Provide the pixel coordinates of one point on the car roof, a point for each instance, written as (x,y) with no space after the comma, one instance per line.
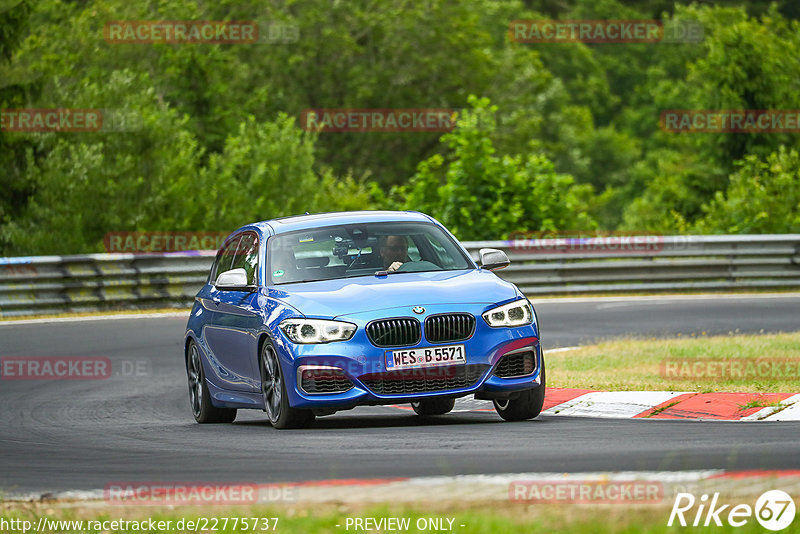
(319,220)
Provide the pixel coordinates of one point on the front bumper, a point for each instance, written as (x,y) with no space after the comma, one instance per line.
(364,366)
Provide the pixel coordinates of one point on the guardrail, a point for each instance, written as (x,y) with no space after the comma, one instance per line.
(91,282)
(651,263)
(54,284)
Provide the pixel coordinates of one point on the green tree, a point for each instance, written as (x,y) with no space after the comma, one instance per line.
(481,195)
(15,89)
(265,171)
(743,63)
(763,197)
(88,184)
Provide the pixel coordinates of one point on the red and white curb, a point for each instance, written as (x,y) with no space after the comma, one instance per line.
(657,405)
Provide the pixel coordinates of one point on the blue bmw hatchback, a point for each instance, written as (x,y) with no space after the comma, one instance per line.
(307,315)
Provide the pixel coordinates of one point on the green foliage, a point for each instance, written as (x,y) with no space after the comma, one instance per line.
(481,195)
(670,180)
(265,171)
(574,141)
(88,184)
(741,64)
(763,197)
(746,67)
(15,184)
(152,177)
(14,15)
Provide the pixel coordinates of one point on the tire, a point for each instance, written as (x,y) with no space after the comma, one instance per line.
(433,406)
(199,396)
(527,406)
(273,390)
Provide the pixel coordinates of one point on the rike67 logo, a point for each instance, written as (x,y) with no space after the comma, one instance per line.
(774,510)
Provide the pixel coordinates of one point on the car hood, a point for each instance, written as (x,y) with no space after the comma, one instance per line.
(333,298)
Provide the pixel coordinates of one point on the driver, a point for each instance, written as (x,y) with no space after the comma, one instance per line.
(394,251)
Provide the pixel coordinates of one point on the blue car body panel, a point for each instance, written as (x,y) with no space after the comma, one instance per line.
(228,326)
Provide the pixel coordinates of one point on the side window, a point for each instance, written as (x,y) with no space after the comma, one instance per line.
(246,257)
(224,258)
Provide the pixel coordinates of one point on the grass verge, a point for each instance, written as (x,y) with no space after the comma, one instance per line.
(767,363)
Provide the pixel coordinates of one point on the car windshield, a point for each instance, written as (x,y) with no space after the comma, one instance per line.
(362,250)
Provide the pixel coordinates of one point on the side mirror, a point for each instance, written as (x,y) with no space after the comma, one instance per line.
(233,280)
(493,259)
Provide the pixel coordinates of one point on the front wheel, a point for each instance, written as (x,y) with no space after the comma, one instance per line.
(527,406)
(433,406)
(273,389)
(200,398)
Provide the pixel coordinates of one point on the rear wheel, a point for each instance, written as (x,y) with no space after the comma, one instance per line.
(273,388)
(433,406)
(199,396)
(526,406)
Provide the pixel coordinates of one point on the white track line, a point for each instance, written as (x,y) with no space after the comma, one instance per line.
(560,349)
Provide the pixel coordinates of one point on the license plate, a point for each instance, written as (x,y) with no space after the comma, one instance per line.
(425,357)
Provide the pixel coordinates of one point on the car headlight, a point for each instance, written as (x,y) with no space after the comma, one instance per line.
(517,313)
(306,331)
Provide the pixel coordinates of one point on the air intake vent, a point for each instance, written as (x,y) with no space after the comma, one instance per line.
(517,364)
(449,327)
(424,380)
(400,332)
(320,380)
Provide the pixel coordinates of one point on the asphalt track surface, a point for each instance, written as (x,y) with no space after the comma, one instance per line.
(137,426)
